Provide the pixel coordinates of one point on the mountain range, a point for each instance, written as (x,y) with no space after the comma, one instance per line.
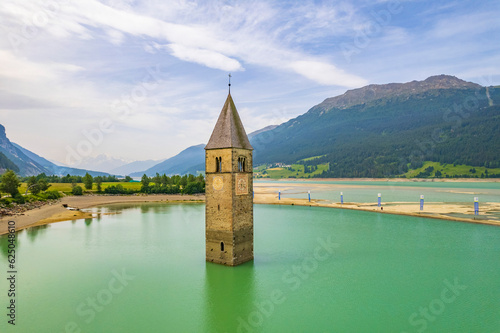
(382,130)
(101,162)
(190,160)
(136,166)
(374,131)
(27,163)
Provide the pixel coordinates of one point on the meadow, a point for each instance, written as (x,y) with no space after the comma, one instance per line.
(66,187)
(427,170)
(293,171)
(451,170)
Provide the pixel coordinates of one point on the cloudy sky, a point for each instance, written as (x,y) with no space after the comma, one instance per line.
(146,79)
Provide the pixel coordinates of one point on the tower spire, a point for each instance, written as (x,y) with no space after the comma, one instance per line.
(228,131)
(229,82)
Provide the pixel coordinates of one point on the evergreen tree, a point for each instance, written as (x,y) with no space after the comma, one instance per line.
(157,179)
(145,183)
(183,181)
(87,181)
(98,182)
(164,180)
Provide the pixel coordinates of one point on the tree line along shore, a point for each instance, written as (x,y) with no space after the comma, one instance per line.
(29,194)
(19,194)
(20,189)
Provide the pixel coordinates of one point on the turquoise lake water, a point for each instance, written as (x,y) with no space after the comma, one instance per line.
(364,191)
(315,270)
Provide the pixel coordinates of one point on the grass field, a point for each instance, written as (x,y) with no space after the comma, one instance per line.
(294,171)
(310,158)
(450,170)
(66,187)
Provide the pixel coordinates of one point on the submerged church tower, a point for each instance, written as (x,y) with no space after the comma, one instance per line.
(229,191)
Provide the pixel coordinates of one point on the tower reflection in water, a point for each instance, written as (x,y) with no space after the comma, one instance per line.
(229,297)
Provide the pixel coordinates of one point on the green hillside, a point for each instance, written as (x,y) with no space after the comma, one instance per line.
(5,163)
(389,136)
(292,171)
(438,170)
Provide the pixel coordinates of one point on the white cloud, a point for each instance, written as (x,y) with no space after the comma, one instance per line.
(470,24)
(45,82)
(326,74)
(207,58)
(22,69)
(224,39)
(115,37)
(52,99)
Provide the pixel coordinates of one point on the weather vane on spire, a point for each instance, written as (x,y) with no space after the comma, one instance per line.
(229,82)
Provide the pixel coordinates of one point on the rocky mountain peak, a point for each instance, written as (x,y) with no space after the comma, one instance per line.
(3,136)
(376,91)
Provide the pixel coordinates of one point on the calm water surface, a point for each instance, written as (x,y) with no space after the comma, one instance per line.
(315,270)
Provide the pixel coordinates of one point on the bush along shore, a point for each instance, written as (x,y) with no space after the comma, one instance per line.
(19,205)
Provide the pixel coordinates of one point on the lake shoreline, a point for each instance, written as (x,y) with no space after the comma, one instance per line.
(56,212)
(435,210)
(397,180)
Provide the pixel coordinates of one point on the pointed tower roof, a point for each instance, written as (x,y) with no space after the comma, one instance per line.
(229,131)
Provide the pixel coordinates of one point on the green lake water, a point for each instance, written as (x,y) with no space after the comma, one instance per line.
(315,270)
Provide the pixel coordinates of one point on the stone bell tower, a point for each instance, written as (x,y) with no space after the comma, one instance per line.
(229,191)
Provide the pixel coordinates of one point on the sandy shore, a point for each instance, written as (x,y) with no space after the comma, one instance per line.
(265,193)
(56,212)
(401,180)
(436,210)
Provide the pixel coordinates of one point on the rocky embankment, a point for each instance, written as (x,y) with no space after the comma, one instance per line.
(20,209)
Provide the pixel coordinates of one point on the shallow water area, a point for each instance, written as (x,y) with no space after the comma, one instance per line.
(391,191)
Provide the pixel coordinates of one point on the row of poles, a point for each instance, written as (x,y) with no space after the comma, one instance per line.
(308,195)
(379,200)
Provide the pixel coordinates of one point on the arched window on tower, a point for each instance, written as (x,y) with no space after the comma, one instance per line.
(241,164)
(222,246)
(218,164)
